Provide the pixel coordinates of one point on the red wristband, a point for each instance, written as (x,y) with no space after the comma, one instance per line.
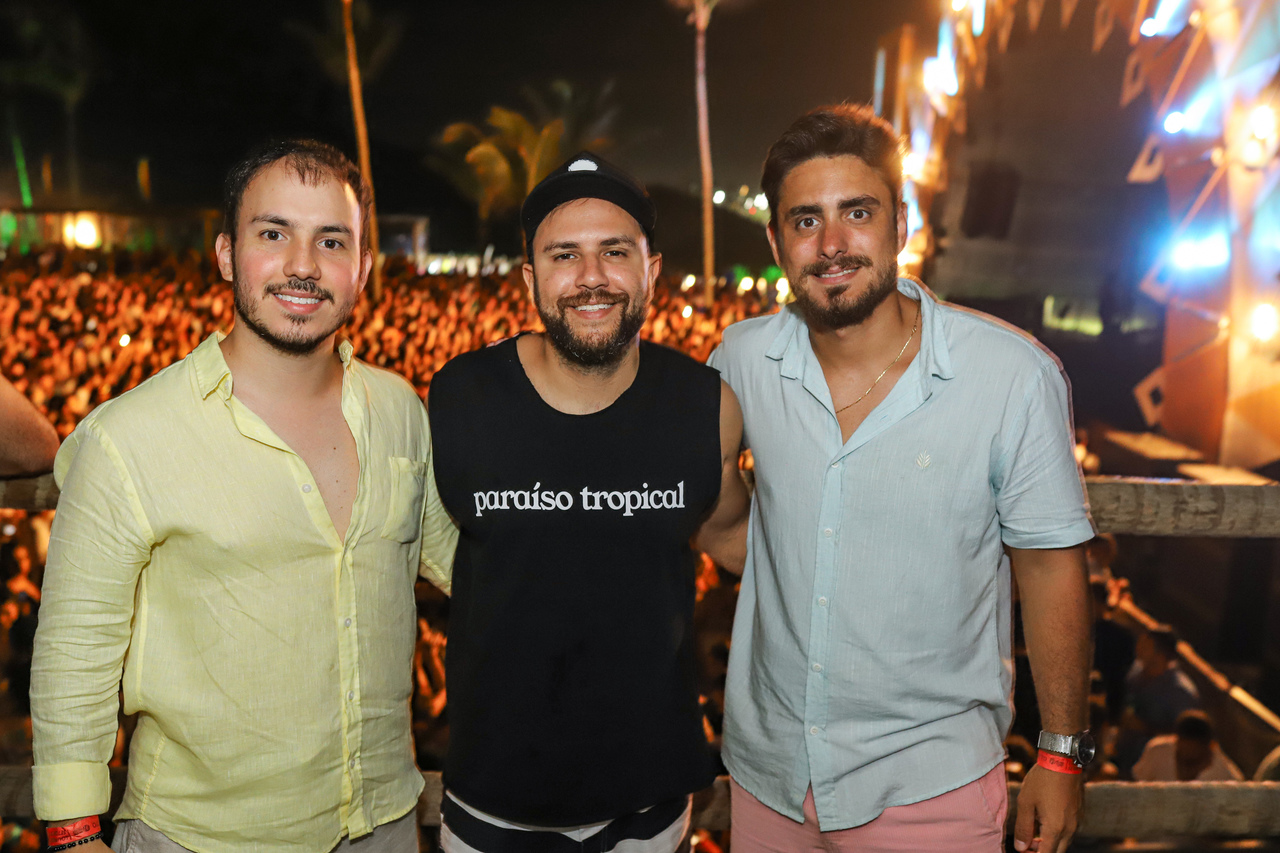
(1057,763)
(73,832)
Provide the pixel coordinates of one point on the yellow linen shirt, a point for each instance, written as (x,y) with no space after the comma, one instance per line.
(193,560)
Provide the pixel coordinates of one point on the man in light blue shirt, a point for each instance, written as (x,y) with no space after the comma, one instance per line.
(908,454)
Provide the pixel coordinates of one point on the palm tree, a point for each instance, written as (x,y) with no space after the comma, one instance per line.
(589,114)
(498,164)
(334,49)
(700,18)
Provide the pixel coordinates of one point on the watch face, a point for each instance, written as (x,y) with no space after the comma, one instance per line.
(1085,749)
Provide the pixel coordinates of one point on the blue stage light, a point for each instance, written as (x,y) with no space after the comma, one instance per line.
(1200,254)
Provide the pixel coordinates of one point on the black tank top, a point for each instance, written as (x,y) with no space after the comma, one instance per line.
(570,666)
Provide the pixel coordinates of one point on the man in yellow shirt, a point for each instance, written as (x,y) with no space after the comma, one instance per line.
(236,546)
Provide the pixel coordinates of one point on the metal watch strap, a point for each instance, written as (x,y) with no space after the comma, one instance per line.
(1061,744)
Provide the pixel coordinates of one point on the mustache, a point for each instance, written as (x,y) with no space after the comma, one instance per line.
(298,285)
(592,298)
(849,262)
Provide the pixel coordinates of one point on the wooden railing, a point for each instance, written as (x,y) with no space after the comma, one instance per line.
(34,493)
(1112,809)
(1144,507)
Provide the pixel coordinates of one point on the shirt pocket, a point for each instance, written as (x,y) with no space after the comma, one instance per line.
(404,504)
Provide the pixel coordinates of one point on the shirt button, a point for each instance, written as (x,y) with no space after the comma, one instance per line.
(306,487)
(351,763)
(822,602)
(813,730)
(828,533)
(347,622)
(817,667)
(835,464)
(351,694)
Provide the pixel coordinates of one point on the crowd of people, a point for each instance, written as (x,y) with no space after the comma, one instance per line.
(79,327)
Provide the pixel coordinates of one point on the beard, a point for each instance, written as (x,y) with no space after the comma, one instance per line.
(303,336)
(599,352)
(835,313)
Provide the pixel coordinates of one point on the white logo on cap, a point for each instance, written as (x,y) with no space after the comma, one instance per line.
(582,166)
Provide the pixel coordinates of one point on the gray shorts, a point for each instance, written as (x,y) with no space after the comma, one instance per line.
(398,836)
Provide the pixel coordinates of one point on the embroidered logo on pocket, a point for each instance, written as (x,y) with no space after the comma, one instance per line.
(923,461)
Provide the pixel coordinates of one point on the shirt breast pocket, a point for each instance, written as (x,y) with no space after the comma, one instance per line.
(404,503)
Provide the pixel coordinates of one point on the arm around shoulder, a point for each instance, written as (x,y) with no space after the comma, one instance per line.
(439,536)
(723,535)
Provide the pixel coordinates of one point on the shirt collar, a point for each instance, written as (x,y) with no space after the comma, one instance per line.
(786,344)
(935,354)
(212,373)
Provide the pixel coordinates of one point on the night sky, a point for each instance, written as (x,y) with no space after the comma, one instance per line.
(192,84)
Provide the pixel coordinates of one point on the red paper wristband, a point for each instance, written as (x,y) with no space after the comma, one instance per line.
(73,832)
(1057,763)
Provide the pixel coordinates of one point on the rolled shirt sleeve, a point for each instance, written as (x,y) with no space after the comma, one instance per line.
(1039,494)
(99,543)
(439,538)
(439,533)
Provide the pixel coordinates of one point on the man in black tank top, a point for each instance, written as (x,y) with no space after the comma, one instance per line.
(582,466)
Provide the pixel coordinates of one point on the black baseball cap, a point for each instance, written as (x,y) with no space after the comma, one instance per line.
(586,175)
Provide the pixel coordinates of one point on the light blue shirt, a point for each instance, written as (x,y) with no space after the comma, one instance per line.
(872,653)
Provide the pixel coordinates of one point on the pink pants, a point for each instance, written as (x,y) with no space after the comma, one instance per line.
(969,819)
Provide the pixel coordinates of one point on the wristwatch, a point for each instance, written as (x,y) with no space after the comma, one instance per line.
(1078,747)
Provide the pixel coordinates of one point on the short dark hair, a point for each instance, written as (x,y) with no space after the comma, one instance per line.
(833,131)
(312,161)
(1194,725)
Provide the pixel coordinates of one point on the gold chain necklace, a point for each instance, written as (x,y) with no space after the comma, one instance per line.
(914,326)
